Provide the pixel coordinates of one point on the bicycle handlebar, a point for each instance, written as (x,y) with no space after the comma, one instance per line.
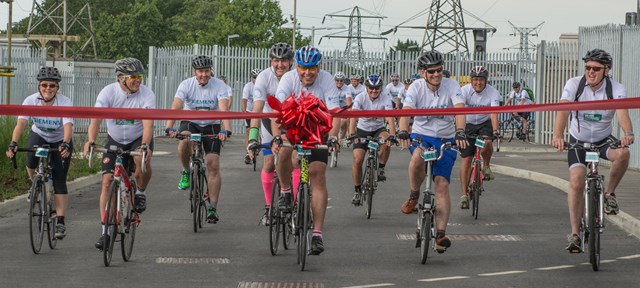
(445,145)
(118,151)
(593,147)
(210,136)
(32,150)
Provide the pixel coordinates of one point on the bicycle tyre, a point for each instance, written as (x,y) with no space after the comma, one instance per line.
(274,219)
(511,127)
(333,159)
(110,222)
(303,220)
(129,226)
(202,210)
(594,223)
(52,222)
(368,192)
(425,236)
(194,187)
(36,215)
(477,190)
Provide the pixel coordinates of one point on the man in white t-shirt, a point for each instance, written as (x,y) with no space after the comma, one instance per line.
(394,88)
(339,77)
(247,106)
(202,92)
(520,97)
(308,78)
(372,99)
(592,126)
(432,91)
(478,94)
(354,89)
(127,134)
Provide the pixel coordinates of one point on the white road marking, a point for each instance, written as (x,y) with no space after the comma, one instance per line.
(372,285)
(555,267)
(443,278)
(630,257)
(502,273)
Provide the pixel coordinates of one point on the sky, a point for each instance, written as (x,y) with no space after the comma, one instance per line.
(559,16)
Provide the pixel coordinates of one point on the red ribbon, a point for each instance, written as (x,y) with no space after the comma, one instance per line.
(306,118)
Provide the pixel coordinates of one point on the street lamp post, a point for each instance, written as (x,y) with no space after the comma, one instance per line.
(229,37)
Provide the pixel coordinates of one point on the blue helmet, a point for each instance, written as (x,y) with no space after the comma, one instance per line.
(373,81)
(308,56)
(415,76)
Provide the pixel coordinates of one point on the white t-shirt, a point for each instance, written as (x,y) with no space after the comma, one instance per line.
(363,102)
(354,91)
(247,93)
(266,85)
(207,97)
(324,88)
(519,96)
(394,91)
(51,129)
(344,90)
(595,125)
(125,131)
(489,97)
(419,96)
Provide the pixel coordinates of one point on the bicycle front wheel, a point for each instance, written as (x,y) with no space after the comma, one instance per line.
(37,214)
(304,220)
(476,189)
(111,222)
(594,226)
(52,221)
(368,191)
(274,219)
(425,235)
(129,226)
(195,195)
(204,187)
(333,159)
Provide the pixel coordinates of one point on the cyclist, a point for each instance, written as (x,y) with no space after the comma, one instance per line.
(433,91)
(523,98)
(354,89)
(344,90)
(309,77)
(393,89)
(281,55)
(478,94)
(592,126)
(128,134)
(229,92)
(54,131)
(372,99)
(247,106)
(446,74)
(202,92)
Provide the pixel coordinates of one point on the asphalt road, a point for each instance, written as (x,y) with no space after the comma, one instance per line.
(518,240)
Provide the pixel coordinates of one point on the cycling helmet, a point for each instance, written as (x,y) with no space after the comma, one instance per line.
(395,76)
(373,81)
(308,56)
(415,76)
(516,85)
(281,51)
(255,72)
(355,77)
(430,59)
(446,74)
(49,74)
(222,78)
(600,56)
(338,76)
(479,71)
(202,62)
(407,81)
(129,66)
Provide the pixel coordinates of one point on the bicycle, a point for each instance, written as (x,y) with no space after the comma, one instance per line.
(369,181)
(42,213)
(426,231)
(514,128)
(120,216)
(475,187)
(592,222)
(198,182)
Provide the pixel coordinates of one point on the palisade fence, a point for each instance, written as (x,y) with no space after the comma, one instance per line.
(545,72)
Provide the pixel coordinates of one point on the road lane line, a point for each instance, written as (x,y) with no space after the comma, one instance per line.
(630,257)
(555,267)
(372,285)
(443,278)
(502,273)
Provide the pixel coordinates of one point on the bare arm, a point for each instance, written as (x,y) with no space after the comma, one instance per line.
(627,127)
(559,127)
(92,134)
(176,105)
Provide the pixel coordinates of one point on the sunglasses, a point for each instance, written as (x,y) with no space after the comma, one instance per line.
(310,69)
(48,85)
(433,71)
(375,88)
(594,68)
(134,77)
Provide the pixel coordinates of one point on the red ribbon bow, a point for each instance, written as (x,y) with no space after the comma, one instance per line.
(306,118)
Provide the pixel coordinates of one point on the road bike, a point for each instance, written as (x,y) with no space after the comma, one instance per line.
(512,127)
(592,222)
(475,187)
(120,217)
(369,181)
(426,231)
(198,183)
(42,213)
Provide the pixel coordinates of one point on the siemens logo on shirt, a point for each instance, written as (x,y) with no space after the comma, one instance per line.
(203,102)
(438,106)
(48,122)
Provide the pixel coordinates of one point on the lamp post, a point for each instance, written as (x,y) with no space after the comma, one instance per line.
(229,37)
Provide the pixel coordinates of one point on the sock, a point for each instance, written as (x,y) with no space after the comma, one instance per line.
(381,166)
(439,234)
(139,191)
(61,220)
(103,229)
(213,205)
(285,191)
(414,194)
(267,185)
(358,188)
(317,233)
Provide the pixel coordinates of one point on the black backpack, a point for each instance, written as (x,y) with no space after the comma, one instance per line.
(608,90)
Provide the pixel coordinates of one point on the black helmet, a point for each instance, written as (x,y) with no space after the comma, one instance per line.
(600,56)
(430,59)
(129,66)
(446,74)
(480,71)
(281,51)
(202,62)
(516,85)
(49,74)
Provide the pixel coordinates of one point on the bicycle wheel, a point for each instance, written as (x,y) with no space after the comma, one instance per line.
(274,219)
(368,192)
(513,130)
(195,195)
(202,210)
(425,235)
(477,190)
(36,214)
(304,220)
(110,222)
(51,221)
(287,229)
(333,159)
(129,225)
(594,225)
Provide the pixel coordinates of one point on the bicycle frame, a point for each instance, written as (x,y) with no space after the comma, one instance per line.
(475,187)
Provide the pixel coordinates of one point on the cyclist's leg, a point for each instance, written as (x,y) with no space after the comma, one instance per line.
(416,176)
(185,147)
(442,178)
(465,175)
(619,163)
(108,166)
(60,169)
(142,179)
(284,171)
(356,168)
(385,151)
(317,177)
(266,175)
(575,197)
